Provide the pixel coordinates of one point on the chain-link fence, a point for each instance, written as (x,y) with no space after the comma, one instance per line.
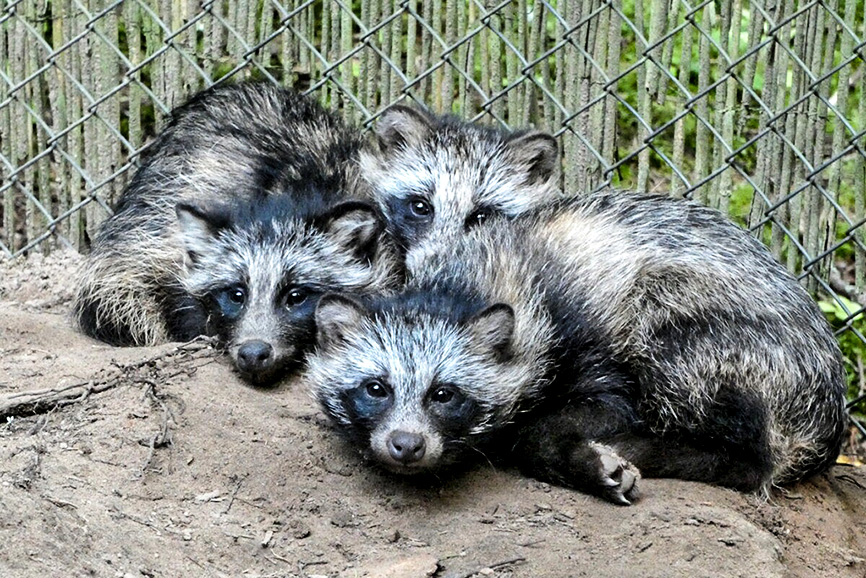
(754,107)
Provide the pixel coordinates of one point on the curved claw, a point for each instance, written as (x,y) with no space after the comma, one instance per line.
(618,477)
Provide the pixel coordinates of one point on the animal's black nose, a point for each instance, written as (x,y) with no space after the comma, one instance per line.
(406,447)
(255,356)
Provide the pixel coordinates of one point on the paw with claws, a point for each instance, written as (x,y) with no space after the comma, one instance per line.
(617,478)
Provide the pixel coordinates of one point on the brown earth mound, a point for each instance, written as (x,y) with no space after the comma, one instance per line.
(161,462)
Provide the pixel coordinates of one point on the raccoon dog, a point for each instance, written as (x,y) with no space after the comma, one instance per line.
(436,177)
(163,267)
(588,342)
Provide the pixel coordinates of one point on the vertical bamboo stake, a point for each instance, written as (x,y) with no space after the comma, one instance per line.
(702,133)
(425,56)
(132,18)
(684,76)
(572,12)
(74,104)
(57,100)
(781,158)
(860,199)
(610,111)
(373,66)
(41,103)
(463,56)
(20,129)
(446,87)
(347,76)
(412,69)
(396,54)
(725,180)
(812,151)
(8,237)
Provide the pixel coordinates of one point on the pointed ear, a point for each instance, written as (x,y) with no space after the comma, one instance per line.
(337,317)
(401,126)
(355,225)
(198,226)
(493,329)
(537,153)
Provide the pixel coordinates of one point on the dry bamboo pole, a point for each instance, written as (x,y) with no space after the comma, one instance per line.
(302,26)
(751,65)
(435,50)
(585,81)
(40,171)
(571,97)
(822,214)
(860,199)
(8,236)
(132,18)
(369,14)
(512,65)
(610,113)
(20,128)
(173,61)
(702,133)
(90,150)
(667,51)
(425,60)
(288,52)
(764,146)
(549,111)
(347,75)
(813,141)
(600,52)
(386,72)
(107,112)
(326,49)
(683,76)
(860,182)
(57,89)
(535,48)
(412,40)
(365,82)
(446,88)
(834,181)
(723,18)
(250,36)
(396,54)
(494,61)
(647,88)
(642,102)
(731,33)
(74,107)
(798,132)
(521,27)
(464,54)
(781,159)
(558,84)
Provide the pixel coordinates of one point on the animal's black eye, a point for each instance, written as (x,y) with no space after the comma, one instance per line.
(236,295)
(478,217)
(295,296)
(420,208)
(376,388)
(443,395)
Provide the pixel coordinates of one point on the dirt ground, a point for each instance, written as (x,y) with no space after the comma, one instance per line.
(161,462)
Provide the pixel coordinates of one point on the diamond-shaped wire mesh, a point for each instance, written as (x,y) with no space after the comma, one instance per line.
(753,106)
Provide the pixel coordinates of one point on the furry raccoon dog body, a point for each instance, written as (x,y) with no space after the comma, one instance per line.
(436,177)
(254,274)
(238,164)
(610,334)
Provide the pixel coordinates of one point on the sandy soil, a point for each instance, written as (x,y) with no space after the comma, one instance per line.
(163,463)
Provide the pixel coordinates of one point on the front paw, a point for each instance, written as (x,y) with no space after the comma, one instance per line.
(617,477)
